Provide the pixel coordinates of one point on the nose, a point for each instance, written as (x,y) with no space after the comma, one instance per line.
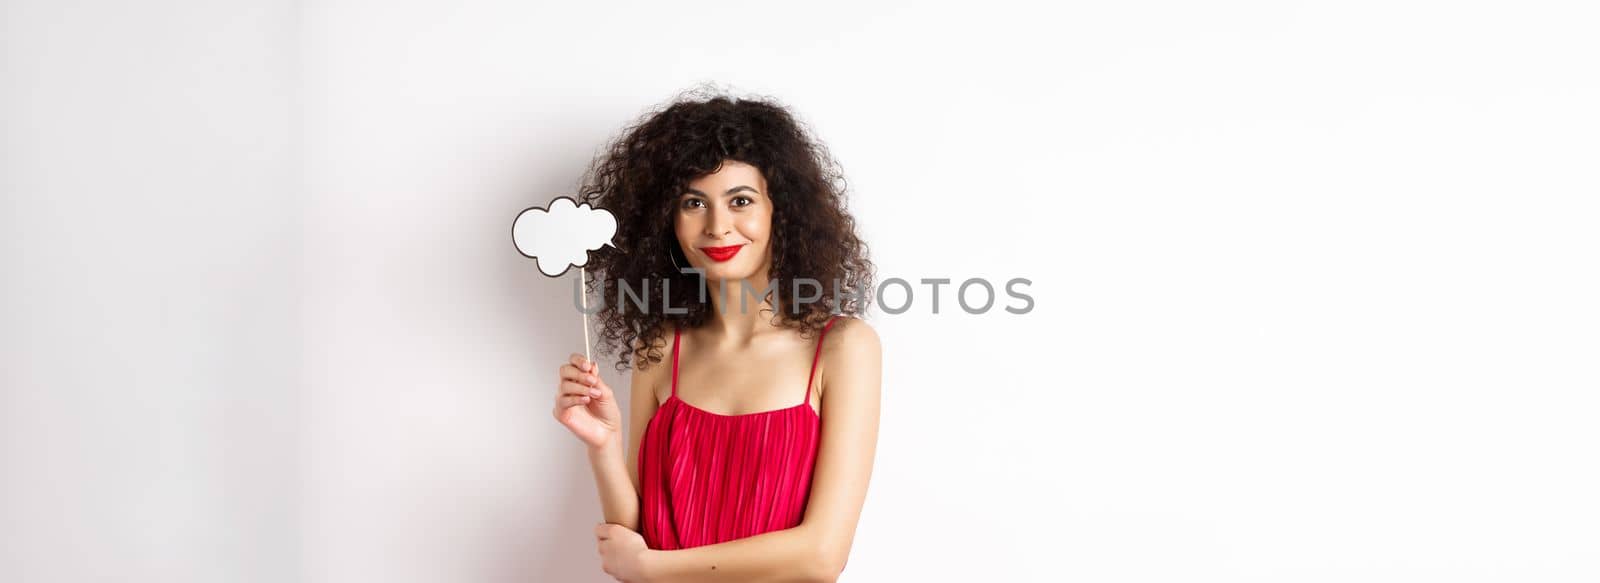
(720,223)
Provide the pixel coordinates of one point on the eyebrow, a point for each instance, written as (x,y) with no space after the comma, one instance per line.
(730,191)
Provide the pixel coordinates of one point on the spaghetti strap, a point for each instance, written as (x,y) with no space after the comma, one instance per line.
(675,361)
(816,357)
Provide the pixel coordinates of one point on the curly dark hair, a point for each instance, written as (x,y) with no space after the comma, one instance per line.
(642,172)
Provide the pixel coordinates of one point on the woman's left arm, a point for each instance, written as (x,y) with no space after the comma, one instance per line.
(816,549)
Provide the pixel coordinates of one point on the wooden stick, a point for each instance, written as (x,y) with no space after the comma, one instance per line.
(583,290)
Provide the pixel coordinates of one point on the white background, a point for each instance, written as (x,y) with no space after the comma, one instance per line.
(1314,283)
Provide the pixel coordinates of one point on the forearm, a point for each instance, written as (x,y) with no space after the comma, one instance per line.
(791,555)
(619,501)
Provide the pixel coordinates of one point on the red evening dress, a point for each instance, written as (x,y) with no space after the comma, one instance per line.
(706,478)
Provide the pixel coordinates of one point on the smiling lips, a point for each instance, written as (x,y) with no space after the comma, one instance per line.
(720,254)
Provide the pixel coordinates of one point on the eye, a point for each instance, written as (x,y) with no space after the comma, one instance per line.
(690,203)
(747,201)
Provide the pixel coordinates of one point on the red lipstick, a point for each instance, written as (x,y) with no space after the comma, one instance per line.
(720,254)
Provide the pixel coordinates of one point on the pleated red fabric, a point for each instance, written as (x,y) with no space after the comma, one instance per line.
(706,478)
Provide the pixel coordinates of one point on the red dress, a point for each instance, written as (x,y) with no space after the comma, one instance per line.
(706,478)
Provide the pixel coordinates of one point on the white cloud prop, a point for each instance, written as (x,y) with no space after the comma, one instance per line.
(561,237)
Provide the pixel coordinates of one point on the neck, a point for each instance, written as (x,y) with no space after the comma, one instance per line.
(733,322)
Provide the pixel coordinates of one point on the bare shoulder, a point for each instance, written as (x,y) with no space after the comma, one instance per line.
(852,336)
(644,369)
(852,353)
(650,378)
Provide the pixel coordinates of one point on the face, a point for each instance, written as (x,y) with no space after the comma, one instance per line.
(724,224)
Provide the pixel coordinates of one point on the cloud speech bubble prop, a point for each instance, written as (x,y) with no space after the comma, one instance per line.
(561,237)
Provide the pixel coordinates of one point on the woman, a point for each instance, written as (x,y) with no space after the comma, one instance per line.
(728,473)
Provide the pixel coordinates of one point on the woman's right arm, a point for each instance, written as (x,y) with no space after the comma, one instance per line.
(616,472)
(594,421)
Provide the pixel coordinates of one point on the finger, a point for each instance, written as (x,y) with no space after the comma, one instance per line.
(572,388)
(600,531)
(570,373)
(573,400)
(582,363)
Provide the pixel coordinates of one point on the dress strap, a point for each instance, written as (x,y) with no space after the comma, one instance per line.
(817,356)
(675,333)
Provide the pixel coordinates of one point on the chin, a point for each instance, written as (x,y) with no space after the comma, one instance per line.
(731,271)
(728,272)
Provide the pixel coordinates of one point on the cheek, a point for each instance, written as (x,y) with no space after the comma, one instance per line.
(758,227)
(681,225)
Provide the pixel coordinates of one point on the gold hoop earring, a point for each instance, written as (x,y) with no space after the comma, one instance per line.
(674,258)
